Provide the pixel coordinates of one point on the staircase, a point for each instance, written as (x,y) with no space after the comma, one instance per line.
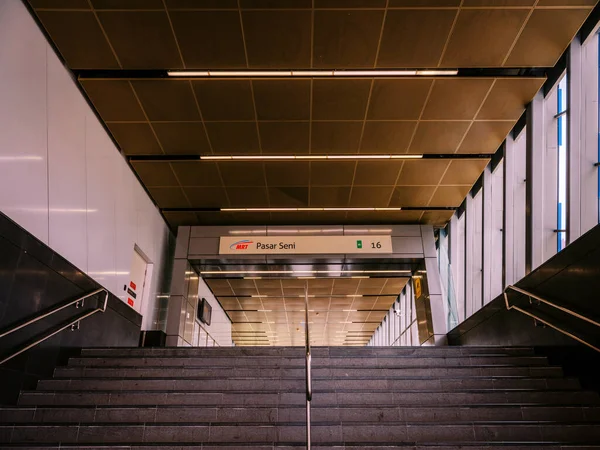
(422,398)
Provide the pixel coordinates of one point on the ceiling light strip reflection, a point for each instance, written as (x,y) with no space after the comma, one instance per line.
(309,73)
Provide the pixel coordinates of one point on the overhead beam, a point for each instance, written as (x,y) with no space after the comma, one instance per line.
(497,72)
(335,157)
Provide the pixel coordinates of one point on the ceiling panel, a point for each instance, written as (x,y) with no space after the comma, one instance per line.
(457,98)
(335,137)
(115,100)
(546,35)
(220,33)
(508,97)
(155,173)
(282,99)
(89,49)
(233,137)
(291,34)
(340,99)
(346,38)
(467,115)
(277,38)
(497,28)
(415,37)
(387,137)
(401,99)
(136,138)
(141,39)
(225,100)
(167,100)
(284,137)
(182,138)
(438,137)
(485,137)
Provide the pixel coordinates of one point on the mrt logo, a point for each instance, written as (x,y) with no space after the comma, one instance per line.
(241,245)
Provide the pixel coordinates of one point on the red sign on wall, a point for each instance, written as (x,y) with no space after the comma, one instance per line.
(130,302)
(132,285)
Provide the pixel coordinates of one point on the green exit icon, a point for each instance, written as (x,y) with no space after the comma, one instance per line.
(359,244)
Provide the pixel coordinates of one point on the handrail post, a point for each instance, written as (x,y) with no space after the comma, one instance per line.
(308,367)
(546,322)
(73,324)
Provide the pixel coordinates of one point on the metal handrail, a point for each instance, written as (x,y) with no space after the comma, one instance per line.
(308,368)
(545,322)
(74,324)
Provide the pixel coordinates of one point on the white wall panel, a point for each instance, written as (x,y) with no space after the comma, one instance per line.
(61,177)
(101,192)
(67,190)
(220,326)
(23,128)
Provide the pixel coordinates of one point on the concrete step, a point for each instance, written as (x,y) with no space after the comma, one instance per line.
(270,384)
(297,446)
(320,398)
(333,446)
(481,433)
(317,352)
(358,414)
(202,371)
(274,361)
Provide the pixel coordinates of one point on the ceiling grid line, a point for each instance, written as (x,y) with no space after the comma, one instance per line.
(360,140)
(104,33)
(460,143)
(412,138)
(439,64)
(239,8)
(166,10)
(208,140)
(135,94)
(525,22)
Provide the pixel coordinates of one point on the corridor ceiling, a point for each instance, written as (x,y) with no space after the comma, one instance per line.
(120,51)
(342,311)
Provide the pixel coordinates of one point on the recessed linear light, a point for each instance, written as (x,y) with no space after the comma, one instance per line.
(292,272)
(305,157)
(305,209)
(308,73)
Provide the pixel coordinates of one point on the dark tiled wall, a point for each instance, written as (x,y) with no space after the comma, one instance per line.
(33,278)
(495,325)
(571,278)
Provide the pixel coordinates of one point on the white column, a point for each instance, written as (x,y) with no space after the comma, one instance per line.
(535,183)
(507,226)
(436,300)
(487,229)
(587,107)
(469,233)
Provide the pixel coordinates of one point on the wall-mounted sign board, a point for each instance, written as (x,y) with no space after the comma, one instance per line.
(297,245)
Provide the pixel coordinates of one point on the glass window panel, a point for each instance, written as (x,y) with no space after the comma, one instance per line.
(562,119)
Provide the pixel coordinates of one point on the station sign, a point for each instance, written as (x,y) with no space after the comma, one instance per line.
(304,245)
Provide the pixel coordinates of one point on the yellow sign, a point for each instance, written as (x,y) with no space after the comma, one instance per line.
(418,290)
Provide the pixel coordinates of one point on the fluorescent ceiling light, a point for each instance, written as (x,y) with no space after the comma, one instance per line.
(312,73)
(292,272)
(305,209)
(359,156)
(435,73)
(374,73)
(304,157)
(308,73)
